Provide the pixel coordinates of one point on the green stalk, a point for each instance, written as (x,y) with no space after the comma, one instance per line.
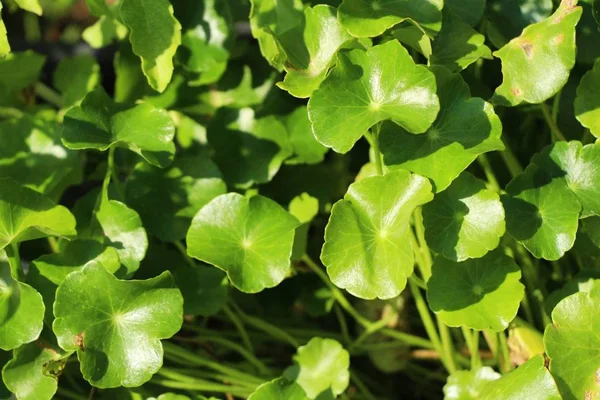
(48,94)
(266,327)
(557,134)
(424,249)
(484,162)
(447,345)
(362,388)
(202,386)
(512,162)
(474,349)
(14,260)
(67,394)
(10,112)
(342,322)
(376,151)
(240,327)
(505,364)
(181,248)
(188,376)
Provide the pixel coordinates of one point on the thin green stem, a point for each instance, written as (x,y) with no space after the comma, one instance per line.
(408,339)
(424,249)
(265,326)
(491,339)
(342,322)
(191,376)
(556,105)
(447,345)
(373,328)
(48,94)
(376,151)
(14,260)
(474,349)
(10,112)
(53,243)
(67,394)
(557,134)
(362,388)
(484,162)
(117,182)
(428,322)
(204,387)
(240,327)
(181,248)
(512,162)
(506,363)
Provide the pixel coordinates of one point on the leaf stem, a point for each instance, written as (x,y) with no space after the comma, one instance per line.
(484,162)
(423,248)
(447,345)
(240,327)
(48,94)
(181,248)
(474,349)
(362,388)
(512,162)
(342,322)
(192,376)
(376,151)
(10,112)
(204,387)
(558,135)
(14,260)
(506,363)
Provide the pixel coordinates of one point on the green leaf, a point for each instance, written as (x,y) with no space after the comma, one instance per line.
(98,7)
(30,5)
(573,345)
(248,150)
(368,18)
(367,87)
(73,257)
(414,37)
(367,247)
(75,77)
(584,281)
(469,385)
(482,293)
(304,207)
(99,123)
(130,82)
(469,11)
(33,154)
(587,102)
(19,70)
(458,45)
(177,193)
(204,288)
(4,45)
(530,381)
(507,19)
(249,238)
(115,325)
(270,19)
(26,215)
(577,165)
(33,372)
(307,150)
(21,311)
(207,38)
(321,365)
(464,221)
(466,127)
(155,35)
(101,33)
(541,213)
(279,389)
(309,59)
(123,230)
(524,59)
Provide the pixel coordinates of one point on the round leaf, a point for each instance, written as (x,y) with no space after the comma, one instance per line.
(587,102)
(168,199)
(321,365)
(507,19)
(466,127)
(368,18)
(248,150)
(469,385)
(482,293)
(115,325)
(279,389)
(470,11)
(541,213)
(573,345)
(33,372)
(312,54)
(578,166)
(367,87)
(249,238)
(367,247)
(530,381)
(26,215)
(464,221)
(525,59)
(99,123)
(306,147)
(21,311)
(75,76)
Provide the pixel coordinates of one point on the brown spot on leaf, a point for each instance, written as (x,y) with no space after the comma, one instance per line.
(516,91)
(528,49)
(598,377)
(588,395)
(78,339)
(546,361)
(558,39)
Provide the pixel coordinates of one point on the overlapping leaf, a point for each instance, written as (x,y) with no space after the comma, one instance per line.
(482,293)
(248,150)
(367,247)
(467,385)
(464,221)
(469,11)
(310,58)
(249,238)
(368,18)
(524,59)
(573,345)
(30,5)
(587,102)
(4,45)
(155,35)
(99,123)
(466,127)
(367,87)
(279,389)
(321,366)
(307,150)
(168,199)
(76,76)
(19,70)
(541,213)
(506,20)
(116,328)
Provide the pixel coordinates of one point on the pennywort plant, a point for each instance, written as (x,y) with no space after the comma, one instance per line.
(286,199)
